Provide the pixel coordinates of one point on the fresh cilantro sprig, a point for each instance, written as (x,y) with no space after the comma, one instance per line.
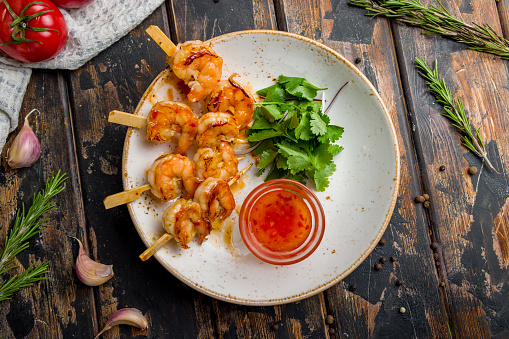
(297,139)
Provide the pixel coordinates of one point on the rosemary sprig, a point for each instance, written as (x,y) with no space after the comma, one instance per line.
(27,278)
(453,110)
(437,20)
(25,227)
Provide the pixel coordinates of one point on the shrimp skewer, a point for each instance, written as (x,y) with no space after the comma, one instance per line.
(194,62)
(169,176)
(230,97)
(149,252)
(172,175)
(183,219)
(216,127)
(218,163)
(165,120)
(215,199)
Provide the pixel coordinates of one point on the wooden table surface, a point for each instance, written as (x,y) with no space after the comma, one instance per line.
(459,290)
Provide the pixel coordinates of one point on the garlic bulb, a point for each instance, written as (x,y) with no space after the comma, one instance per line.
(91,272)
(125,316)
(25,149)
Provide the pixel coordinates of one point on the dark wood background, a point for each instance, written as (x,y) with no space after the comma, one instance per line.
(461,290)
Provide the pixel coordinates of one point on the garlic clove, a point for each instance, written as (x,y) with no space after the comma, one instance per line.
(91,272)
(25,149)
(125,316)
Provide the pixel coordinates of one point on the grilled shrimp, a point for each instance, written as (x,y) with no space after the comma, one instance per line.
(183,219)
(229,96)
(217,163)
(167,119)
(171,175)
(198,66)
(215,199)
(216,127)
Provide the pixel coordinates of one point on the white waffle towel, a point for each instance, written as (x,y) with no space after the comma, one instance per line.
(92,29)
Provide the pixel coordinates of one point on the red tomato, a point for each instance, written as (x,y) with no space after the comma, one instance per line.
(27,45)
(71,3)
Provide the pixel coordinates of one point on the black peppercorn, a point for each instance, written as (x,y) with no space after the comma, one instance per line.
(441,168)
(332,331)
(378,267)
(426,204)
(353,287)
(274,327)
(399,283)
(419,199)
(393,259)
(436,256)
(383,261)
(329,320)
(425,196)
(382,242)
(434,246)
(442,284)
(358,60)
(472,170)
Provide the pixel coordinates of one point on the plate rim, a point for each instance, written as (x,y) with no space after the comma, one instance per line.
(353,266)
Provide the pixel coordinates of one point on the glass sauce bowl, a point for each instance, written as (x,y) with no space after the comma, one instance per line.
(282,222)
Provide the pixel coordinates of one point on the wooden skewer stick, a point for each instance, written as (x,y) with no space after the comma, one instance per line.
(124,197)
(238,175)
(149,252)
(162,40)
(127,119)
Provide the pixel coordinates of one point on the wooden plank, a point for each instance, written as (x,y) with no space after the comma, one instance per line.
(203,19)
(61,306)
(468,213)
(116,80)
(372,310)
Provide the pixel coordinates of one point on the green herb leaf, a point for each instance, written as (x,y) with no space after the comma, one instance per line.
(299,87)
(264,134)
(437,20)
(266,159)
(298,140)
(334,149)
(303,129)
(272,112)
(321,177)
(26,226)
(333,134)
(260,122)
(318,125)
(453,109)
(297,159)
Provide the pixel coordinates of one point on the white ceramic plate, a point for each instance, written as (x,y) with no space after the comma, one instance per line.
(358,204)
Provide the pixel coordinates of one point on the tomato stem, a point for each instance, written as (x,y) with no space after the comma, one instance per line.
(9,9)
(20,23)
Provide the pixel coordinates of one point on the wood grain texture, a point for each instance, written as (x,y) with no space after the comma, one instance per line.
(468,213)
(372,310)
(203,19)
(62,305)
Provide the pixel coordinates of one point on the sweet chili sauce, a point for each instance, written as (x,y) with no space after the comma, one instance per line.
(280,220)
